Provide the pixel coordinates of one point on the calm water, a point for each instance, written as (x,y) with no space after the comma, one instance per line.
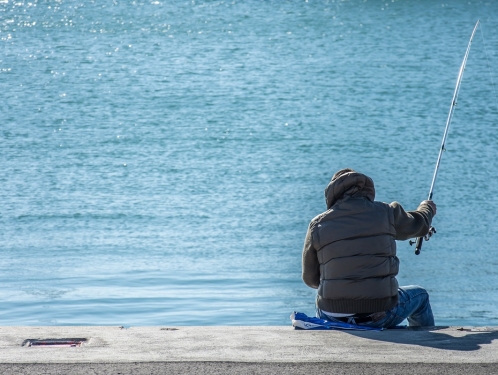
(160,160)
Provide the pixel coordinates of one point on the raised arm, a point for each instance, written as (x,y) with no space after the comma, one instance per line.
(411,224)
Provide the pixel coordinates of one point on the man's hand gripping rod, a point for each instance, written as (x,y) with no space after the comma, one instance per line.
(419,240)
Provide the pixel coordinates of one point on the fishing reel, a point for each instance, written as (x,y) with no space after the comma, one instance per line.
(429,234)
(418,242)
(427,237)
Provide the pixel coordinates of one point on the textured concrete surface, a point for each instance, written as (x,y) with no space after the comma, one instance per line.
(251,344)
(244,368)
(250,350)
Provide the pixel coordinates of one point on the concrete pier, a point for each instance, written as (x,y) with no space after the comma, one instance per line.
(246,350)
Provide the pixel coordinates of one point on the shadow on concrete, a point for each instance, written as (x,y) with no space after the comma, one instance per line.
(430,337)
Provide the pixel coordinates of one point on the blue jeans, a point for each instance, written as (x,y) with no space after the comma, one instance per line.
(413,304)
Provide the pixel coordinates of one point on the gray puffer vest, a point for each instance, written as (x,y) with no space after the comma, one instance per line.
(356,249)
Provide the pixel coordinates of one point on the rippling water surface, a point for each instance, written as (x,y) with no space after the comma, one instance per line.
(160,161)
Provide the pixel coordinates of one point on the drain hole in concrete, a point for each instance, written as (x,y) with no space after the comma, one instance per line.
(72,342)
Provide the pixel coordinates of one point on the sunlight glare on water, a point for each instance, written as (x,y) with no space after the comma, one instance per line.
(161,161)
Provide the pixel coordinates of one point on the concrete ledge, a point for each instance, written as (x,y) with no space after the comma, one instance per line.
(251,344)
(244,368)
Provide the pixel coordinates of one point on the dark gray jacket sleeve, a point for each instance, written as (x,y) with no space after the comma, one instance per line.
(311,267)
(412,224)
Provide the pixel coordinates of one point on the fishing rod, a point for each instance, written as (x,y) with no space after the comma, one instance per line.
(432,230)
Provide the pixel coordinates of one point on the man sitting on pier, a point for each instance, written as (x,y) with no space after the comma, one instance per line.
(349,255)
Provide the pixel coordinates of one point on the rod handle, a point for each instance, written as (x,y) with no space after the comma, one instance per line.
(418,245)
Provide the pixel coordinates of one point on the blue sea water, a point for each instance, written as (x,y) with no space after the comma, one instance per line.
(160,160)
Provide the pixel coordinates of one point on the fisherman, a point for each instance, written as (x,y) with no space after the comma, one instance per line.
(349,255)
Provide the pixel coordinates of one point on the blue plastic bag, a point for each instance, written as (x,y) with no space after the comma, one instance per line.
(303,321)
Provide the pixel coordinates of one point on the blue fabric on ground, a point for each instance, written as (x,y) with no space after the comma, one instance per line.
(303,321)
